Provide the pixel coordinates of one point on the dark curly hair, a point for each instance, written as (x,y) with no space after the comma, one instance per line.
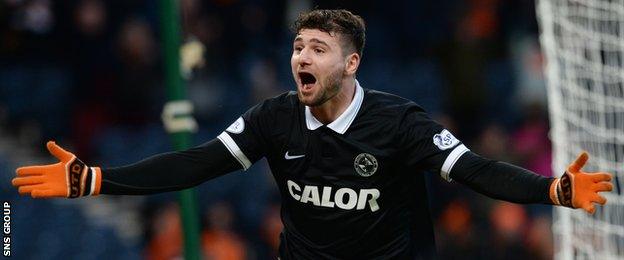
(350,26)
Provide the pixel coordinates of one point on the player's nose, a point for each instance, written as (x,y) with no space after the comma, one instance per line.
(304,58)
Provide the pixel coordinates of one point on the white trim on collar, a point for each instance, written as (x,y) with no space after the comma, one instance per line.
(342,123)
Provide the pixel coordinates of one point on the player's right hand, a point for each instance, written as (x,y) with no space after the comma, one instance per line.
(69,178)
(579,189)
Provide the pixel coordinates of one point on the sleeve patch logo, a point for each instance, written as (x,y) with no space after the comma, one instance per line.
(237,127)
(445,140)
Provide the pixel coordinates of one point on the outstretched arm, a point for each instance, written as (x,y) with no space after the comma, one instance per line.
(160,173)
(499,180)
(170,171)
(426,144)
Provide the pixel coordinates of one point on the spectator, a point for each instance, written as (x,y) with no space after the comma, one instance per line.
(219,242)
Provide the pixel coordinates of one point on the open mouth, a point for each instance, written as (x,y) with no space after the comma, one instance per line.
(307,78)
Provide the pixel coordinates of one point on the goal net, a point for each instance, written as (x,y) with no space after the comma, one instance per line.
(583,43)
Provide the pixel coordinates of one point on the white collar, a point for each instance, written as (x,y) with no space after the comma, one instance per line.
(342,123)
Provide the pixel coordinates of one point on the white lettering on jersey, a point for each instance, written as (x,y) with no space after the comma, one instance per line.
(326,199)
(310,193)
(364,193)
(291,185)
(351,201)
(344,198)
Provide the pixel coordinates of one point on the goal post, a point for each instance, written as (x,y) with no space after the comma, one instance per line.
(583,45)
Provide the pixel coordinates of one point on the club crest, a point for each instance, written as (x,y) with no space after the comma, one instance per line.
(365,164)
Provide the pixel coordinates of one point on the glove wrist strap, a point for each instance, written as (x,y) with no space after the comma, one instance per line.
(83,180)
(554,192)
(77,175)
(96,181)
(564,190)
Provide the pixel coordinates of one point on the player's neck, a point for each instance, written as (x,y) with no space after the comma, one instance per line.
(333,108)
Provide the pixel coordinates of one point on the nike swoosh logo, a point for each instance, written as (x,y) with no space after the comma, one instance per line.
(290,157)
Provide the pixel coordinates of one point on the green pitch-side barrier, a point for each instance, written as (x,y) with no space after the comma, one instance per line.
(178,120)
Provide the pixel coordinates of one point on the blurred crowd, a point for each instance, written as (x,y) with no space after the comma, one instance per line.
(89,74)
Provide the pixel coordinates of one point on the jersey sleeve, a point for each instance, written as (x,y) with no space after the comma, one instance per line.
(246,138)
(154,174)
(427,145)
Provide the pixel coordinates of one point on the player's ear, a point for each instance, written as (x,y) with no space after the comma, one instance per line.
(352,62)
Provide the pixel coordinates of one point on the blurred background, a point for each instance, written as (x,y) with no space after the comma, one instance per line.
(89,74)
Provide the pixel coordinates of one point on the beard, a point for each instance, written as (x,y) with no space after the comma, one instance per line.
(328,88)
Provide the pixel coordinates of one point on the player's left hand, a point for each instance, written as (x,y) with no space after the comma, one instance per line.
(578,189)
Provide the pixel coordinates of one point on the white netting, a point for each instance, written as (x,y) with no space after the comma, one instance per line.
(583,43)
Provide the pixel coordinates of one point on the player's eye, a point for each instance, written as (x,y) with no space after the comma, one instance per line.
(298,49)
(319,51)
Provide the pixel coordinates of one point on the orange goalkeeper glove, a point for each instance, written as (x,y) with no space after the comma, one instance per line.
(69,178)
(578,189)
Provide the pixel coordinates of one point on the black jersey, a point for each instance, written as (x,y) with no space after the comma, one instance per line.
(352,189)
